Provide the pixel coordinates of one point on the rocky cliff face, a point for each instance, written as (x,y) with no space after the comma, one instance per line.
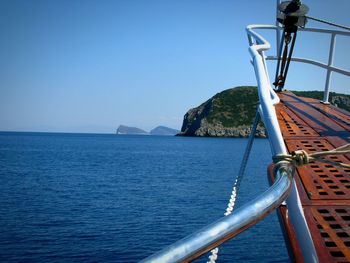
(217,130)
(228,114)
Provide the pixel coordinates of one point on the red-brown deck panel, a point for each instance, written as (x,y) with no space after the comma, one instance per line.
(324,189)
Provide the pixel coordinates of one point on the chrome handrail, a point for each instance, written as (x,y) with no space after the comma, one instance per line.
(267,96)
(267,99)
(227,227)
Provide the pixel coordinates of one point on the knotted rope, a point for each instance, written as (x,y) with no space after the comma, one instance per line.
(301,157)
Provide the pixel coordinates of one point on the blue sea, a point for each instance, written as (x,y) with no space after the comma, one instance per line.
(116,198)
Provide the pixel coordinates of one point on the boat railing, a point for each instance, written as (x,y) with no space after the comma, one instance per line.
(268,99)
(227,227)
(329,66)
(267,96)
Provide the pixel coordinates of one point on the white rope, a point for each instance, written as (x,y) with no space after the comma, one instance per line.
(231,204)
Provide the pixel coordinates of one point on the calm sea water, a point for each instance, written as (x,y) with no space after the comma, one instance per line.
(108,198)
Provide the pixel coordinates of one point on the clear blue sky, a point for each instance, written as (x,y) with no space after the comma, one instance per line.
(88,66)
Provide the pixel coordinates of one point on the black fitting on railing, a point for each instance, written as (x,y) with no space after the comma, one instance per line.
(292,15)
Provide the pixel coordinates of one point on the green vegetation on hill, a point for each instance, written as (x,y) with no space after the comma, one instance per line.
(234,107)
(227,114)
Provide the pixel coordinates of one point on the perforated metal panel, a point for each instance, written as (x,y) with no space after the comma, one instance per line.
(323,188)
(320,180)
(333,232)
(292,125)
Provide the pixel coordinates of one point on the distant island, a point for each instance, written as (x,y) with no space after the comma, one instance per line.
(122,129)
(162,130)
(159,130)
(230,113)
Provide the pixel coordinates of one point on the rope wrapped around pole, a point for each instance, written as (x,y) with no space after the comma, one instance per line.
(301,157)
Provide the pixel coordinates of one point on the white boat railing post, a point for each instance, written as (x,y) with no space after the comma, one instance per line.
(278,30)
(268,99)
(329,71)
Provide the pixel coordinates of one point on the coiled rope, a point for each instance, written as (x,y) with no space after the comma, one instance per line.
(301,157)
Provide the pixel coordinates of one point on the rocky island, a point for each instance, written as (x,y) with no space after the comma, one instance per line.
(159,130)
(230,113)
(227,114)
(162,130)
(122,129)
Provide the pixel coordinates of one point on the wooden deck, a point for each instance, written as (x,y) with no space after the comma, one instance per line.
(324,189)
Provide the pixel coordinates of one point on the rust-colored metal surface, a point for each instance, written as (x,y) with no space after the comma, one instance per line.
(324,189)
(322,181)
(292,124)
(329,227)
